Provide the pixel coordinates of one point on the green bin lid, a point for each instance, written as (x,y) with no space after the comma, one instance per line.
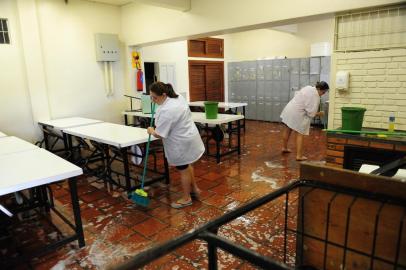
(211,102)
(353,109)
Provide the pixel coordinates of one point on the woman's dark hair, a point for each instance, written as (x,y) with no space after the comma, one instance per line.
(322,86)
(159,88)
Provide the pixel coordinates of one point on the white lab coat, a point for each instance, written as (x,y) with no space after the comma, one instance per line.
(182,142)
(299,111)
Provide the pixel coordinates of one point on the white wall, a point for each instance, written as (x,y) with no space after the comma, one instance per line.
(268,43)
(15,104)
(169,53)
(72,77)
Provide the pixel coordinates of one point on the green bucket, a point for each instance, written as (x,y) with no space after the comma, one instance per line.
(211,108)
(352,118)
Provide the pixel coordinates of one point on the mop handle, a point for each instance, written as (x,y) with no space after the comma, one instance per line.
(147,150)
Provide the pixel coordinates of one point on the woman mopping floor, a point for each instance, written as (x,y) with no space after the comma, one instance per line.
(182,142)
(297,115)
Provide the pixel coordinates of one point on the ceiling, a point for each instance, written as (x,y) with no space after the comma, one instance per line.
(113,2)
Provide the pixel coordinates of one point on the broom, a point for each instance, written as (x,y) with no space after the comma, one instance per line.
(140,196)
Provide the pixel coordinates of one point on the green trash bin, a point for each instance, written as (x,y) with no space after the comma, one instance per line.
(352,118)
(211,108)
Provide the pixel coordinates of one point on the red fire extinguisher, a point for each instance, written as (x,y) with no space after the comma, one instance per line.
(140,80)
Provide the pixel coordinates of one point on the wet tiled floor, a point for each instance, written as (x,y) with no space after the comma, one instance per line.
(116,229)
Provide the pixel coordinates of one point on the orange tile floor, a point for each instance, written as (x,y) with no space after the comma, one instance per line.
(116,229)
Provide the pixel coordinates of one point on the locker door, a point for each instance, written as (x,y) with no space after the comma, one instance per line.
(276,90)
(276,111)
(285,70)
(260,90)
(304,65)
(276,70)
(260,70)
(268,91)
(268,70)
(260,110)
(294,65)
(314,78)
(304,80)
(251,110)
(315,65)
(325,65)
(284,91)
(268,111)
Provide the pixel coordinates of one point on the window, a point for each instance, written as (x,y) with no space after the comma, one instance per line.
(4,36)
(381,28)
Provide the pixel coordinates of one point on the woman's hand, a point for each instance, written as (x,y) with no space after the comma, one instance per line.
(150,130)
(320,114)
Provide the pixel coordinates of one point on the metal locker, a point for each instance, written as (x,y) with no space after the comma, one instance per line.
(294,66)
(237,72)
(260,110)
(244,71)
(314,78)
(268,70)
(276,90)
(276,111)
(260,70)
(315,65)
(294,81)
(304,65)
(325,65)
(252,70)
(304,80)
(268,91)
(276,70)
(285,70)
(252,110)
(268,111)
(285,91)
(260,90)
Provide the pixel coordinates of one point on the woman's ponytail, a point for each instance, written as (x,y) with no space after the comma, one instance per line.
(159,88)
(170,92)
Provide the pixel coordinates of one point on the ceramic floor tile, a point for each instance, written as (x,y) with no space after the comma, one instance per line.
(116,229)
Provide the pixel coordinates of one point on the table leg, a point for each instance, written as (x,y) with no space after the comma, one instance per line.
(218,149)
(239,136)
(126,168)
(76,211)
(166,169)
(125,120)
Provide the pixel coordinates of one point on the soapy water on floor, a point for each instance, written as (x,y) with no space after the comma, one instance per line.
(257,176)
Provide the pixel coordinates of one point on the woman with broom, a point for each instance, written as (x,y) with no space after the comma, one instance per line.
(182,142)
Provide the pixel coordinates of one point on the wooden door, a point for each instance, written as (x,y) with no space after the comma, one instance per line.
(206,80)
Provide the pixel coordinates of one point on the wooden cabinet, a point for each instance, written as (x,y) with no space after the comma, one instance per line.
(206,80)
(206,47)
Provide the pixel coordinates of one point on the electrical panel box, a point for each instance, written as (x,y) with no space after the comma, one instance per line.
(342,80)
(107,47)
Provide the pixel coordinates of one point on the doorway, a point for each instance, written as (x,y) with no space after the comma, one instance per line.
(151,74)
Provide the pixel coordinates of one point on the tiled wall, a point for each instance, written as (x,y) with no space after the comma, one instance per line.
(377,83)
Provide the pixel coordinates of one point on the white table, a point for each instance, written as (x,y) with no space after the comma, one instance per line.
(33,169)
(118,136)
(231,107)
(69,122)
(223,105)
(199,117)
(2,134)
(49,126)
(11,144)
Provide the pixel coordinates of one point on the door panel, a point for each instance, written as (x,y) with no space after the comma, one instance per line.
(206,81)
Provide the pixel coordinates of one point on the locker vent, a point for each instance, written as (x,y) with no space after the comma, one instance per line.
(4,35)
